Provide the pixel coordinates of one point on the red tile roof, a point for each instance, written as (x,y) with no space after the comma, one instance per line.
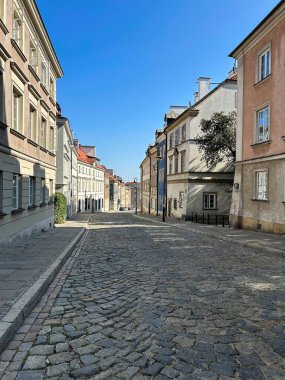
(82,156)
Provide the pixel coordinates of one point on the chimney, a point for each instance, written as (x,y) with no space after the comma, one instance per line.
(204,87)
(196,97)
(76,143)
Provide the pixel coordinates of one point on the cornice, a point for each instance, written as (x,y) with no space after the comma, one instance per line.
(3,53)
(180,118)
(18,50)
(46,107)
(3,27)
(16,69)
(34,92)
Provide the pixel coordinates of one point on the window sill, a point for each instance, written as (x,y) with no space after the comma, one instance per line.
(52,101)
(51,154)
(2,214)
(18,134)
(258,144)
(32,143)
(17,211)
(32,207)
(18,50)
(34,73)
(43,149)
(43,204)
(44,89)
(210,209)
(262,81)
(260,200)
(3,27)
(3,125)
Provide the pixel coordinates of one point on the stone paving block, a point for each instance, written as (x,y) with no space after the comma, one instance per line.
(35,362)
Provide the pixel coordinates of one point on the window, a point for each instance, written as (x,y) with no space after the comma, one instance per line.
(177,137)
(16,193)
(182,159)
(33,55)
(183,132)
(176,157)
(52,88)
(43,133)
(50,190)
(209,201)
(43,195)
(181,198)
(261,179)
(45,74)
(170,164)
(262,128)
(33,124)
(2,98)
(264,68)
(171,141)
(51,138)
(18,27)
(32,188)
(79,169)
(175,204)
(17,110)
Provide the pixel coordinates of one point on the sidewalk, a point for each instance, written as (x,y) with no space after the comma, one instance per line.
(259,240)
(28,266)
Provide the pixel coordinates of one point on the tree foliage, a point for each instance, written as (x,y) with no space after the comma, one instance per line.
(59,208)
(217,141)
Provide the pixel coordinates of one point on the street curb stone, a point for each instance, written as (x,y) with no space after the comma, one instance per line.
(10,323)
(278,252)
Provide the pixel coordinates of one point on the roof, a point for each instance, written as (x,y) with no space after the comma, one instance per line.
(82,156)
(262,22)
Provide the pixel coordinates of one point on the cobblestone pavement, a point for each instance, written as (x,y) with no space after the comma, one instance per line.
(141,300)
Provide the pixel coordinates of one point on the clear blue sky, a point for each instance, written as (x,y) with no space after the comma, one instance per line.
(126,61)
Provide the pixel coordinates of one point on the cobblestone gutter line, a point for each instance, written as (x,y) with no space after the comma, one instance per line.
(10,323)
(276,251)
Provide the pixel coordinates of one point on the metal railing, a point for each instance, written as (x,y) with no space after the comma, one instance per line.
(214,219)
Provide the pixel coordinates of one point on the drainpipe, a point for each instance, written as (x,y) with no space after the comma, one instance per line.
(149,184)
(164,211)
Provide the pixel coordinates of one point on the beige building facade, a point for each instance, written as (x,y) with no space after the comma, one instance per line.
(29,69)
(259,186)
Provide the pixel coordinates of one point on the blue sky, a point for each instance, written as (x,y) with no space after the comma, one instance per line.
(126,61)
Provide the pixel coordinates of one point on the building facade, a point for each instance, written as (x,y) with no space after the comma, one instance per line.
(66,165)
(29,69)
(145,167)
(191,186)
(161,165)
(259,186)
(153,179)
(135,195)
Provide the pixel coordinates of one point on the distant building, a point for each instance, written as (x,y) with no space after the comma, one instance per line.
(29,69)
(153,179)
(259,186)
(135,194)
(160,138)
(145,167)
(66,164)
(192,187)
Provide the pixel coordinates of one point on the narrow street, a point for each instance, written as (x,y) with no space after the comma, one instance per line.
(138,299)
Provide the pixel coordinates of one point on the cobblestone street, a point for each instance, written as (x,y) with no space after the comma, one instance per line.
(139,299)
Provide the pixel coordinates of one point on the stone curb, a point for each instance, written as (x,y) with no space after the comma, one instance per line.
(278,252)
(11,322)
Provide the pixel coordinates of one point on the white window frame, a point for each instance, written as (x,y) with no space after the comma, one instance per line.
(33,115)
(181,199)
(183,132)
(177,137)
(51,138)
(45,73)
(15,191)
(32,181)
(207,203)
(43,133)
(17,31)
(264,72)
(33,54)
(261,185)
(182,161)
(264,136)
(17,109)
(176,163)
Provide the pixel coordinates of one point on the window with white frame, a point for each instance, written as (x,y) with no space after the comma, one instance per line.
(176,159)
(33,124)
(261,185)
(2,98)
(209,201)
(17,110)
(181,199)
(177,137)
(16,193)
(170,164)
(262,127)
(33,54)
(32,188)
(45,73)
(51,138)
(43,133)
(183,132)
(264,64)
(52,88)
(182,161)
(17,33)
(171,141)
(43,191)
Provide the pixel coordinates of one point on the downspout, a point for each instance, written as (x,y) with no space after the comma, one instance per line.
(164,212)
(149,184)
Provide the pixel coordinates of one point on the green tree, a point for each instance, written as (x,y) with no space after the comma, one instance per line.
(60,205)
(217,141)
